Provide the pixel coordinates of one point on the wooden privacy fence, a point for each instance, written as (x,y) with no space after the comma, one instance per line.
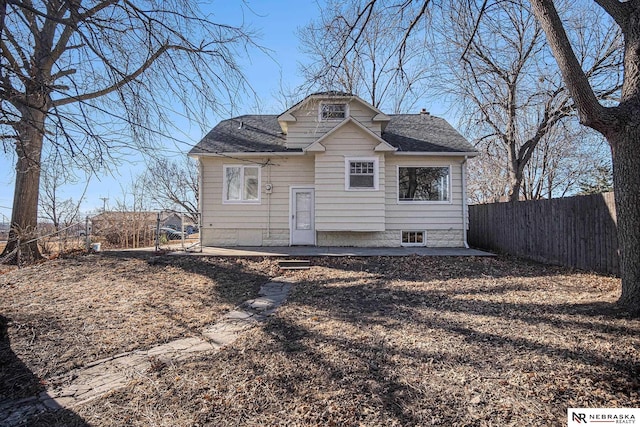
(577,232)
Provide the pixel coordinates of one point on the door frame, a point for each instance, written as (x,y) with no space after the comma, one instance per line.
(291,202)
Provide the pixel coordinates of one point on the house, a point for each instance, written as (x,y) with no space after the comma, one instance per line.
(333,170)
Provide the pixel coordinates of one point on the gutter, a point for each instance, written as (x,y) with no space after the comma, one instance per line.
(249,154)
(466,154)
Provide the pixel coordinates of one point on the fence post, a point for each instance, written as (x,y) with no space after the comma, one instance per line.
(157,231)
(87,233)
(182,228)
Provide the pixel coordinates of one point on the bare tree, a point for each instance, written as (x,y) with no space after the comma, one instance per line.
(173,185)
(566,156)
(487,177)
(511,98)
(94,77)
(62,212)
(600,182)
(620,124)
(365,63)
(131,223)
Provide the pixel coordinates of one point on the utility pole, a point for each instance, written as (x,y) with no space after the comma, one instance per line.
(104,203)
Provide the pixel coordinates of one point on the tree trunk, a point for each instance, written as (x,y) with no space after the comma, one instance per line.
(626,178)
(516,177)
(24,216)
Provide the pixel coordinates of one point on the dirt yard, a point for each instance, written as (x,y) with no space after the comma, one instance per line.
(360,342)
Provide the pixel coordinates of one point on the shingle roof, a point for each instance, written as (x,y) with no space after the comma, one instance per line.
(262,134)
(244,134)
(424,133)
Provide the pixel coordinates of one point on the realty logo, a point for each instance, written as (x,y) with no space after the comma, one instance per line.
(581,416)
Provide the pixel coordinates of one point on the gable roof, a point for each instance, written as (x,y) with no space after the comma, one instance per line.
(329,96)
(408,133)
(382,144)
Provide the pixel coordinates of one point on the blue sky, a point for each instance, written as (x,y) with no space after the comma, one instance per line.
(276,21)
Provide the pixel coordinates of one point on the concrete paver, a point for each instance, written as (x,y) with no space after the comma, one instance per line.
(109,374)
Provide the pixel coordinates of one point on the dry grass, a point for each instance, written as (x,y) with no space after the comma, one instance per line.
(67,312)
(398,341)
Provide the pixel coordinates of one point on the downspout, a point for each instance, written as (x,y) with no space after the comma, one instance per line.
(269,199)
(465,211)
(200,201)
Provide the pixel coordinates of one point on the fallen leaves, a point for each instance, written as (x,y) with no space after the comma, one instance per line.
(373,341)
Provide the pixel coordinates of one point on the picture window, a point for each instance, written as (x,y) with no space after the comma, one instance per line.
(423,184)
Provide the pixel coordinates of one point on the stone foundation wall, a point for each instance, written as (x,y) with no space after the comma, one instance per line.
(445,238)
(244,237)
(280,237)
(379,239)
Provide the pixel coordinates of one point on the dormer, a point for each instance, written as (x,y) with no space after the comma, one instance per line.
(317,114)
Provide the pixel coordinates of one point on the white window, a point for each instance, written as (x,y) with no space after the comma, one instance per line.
(361,173)
(413,238)
(333,111)
(424,184)
(241,183)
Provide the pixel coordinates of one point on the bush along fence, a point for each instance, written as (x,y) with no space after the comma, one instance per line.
(578,232)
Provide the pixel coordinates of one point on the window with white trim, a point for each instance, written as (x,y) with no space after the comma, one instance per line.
(333,111)
(413,238)
(361,174)
(241,183)
(424,184)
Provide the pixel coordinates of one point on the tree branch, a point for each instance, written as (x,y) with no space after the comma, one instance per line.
(589,110)
(126,79)
(619,11)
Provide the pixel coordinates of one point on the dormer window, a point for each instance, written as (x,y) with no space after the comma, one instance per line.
(333,111)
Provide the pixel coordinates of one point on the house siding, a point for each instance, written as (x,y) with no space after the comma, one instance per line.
(252,224)
(421,216)
(338,209)
(307,128)
(343,218)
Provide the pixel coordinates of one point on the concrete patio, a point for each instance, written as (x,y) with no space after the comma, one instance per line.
(295,251)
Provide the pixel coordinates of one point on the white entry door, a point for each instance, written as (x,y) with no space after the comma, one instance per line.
(303,230)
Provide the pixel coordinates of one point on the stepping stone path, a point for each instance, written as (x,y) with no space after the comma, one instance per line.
(102,376)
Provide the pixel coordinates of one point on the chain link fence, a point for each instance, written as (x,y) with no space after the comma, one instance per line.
(159,231)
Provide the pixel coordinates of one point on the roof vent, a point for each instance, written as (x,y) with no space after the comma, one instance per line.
(424,111)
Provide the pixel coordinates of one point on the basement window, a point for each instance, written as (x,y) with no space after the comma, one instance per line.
(413,238)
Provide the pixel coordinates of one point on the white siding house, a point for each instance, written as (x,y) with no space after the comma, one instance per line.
(333,171)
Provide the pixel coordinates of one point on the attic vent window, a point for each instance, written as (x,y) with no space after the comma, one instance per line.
(333,111)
